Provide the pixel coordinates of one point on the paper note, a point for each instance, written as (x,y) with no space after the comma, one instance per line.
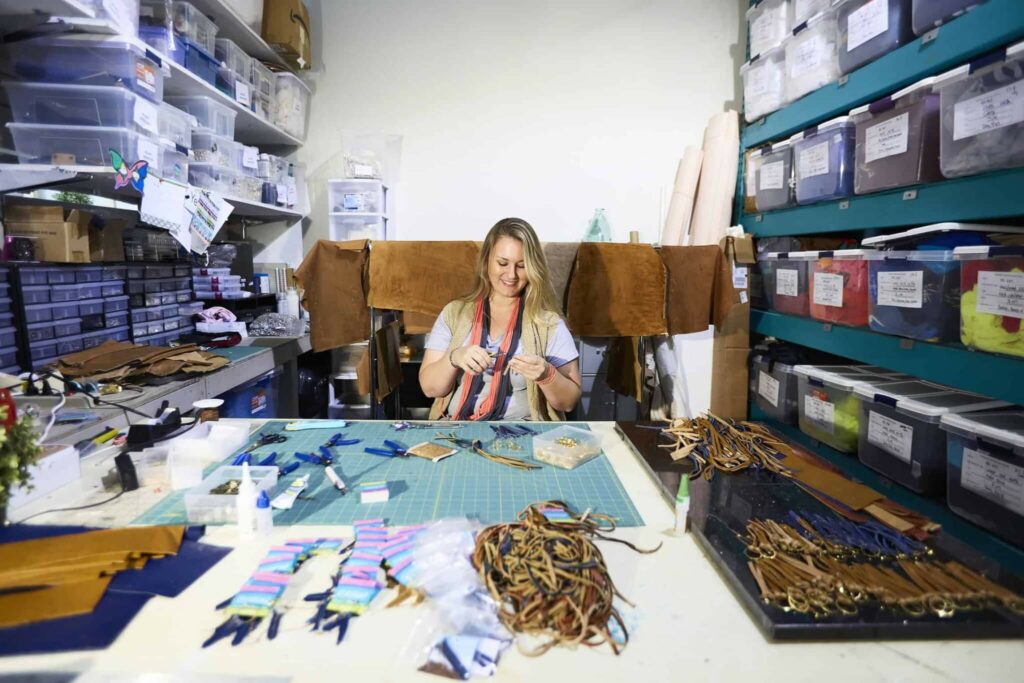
(828,289)
(768,388)
(1001,293)
(739,276)
(293,196)
(887,138)
(812,161)
(901,289)
(250,157)
(787,282)
(164,206)
(772,176)
(864,24)
(991,478)
(242,93)
(808,55)
(149,151)
(761,31)
(282,194)
(209,212)
(892,436)
(145,115)
(821,413)
(993,110)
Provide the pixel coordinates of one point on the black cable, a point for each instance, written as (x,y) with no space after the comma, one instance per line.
(147,444)
(79,387)
(80,507)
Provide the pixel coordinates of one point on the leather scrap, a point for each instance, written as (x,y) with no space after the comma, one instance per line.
(332,278)
(403,278)
(69,599)
(617,290)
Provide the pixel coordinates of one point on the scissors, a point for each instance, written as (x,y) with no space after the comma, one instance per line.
(267,439)
(392,449)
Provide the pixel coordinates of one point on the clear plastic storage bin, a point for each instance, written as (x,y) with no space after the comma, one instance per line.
(211,115)
(358,228)
(68,104)
(914,294)
(262,80)
(828,410)
(120,15)
(838,283)
(930,13)
(37,294)
(992,298)
(770,22)
(291,104)
(208,148)
(764,84)
(774,178)
(805,9)
(811,57)
(233,57)
(751,162)
(775,389)
(823,160)
(982,114)
(88,60)
(85,146)
(898,140)
(196,26)
(985,470)
(785,278)
(869,29)
(213,177)
(204,507)
(176,125)
(566,447)
(7,336)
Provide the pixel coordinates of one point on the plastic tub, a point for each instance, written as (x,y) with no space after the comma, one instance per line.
(89,307)
(214,177)
(111,273)
(751,162)
(5,304)
(8,359)
(805,9)
(256,398)
(156,272)
(204,507)
(927,14)
(262,80)
(216,284)
(84,146)
(69,104)
(566,447)
(828,409)
(982,115)
(786,282)
(68,345)
(211,295)
(89,60)
(196,60)
(221,272)
(112,289)
(39,352)
(121,15)
(811,57)
(61,276)
(869,29)
(211,115)
(67,327)
(197,27)
(985,470)
(764,84)
(774,178)
(34,276)
(915,294)
(92,339)
(898,140)
(775,389)
(823,161)
(232,56)
(992,298)
(38,313)
(770,22)
(37,294)
(838,284)
(175,125)
(291,105)
(85,290)
(88,274)
(191,308)
(39,331)
(208,148)
(8,336)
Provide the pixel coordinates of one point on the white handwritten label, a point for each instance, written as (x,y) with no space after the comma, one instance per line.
(999,481)
(282,194)
(808,55)
(887,138)
(739,276)
(250,157)
(148,151)
(828,289)
(771,176)
(864,24)
(145,115)
(787,282)
(768,388)
(821,413)
(991,111)
(762,32)
(751,182)
(1001,293)
(901,289)
(892,436)
(242,95)
(812,161)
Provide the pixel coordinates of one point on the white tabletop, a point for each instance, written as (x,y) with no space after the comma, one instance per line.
(686,626)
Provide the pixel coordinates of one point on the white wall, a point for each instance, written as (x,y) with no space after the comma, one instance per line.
(538,109)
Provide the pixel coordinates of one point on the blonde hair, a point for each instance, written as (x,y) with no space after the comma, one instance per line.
(538,296)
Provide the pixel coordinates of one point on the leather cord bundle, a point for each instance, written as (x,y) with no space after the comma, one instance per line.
(725,445)
(550,579)
(476,446)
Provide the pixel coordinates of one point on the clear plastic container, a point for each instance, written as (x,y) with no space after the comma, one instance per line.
(221,272)
(88,307)
(898,140)
(88,60)
(838,284)
(811,57)
(931,13)
(358,228)
(89,146)
(39,331)
(992,298)
(88,274)
(191,308)
(566,447)
(61,276)
(775,178)
(34,276)
(775,389)
(154,271)
(112,289)
(262,80)
(915,294)
(214,177)
(769,23)
(197,27)
(204,507)
(115,303)
(208,148)
(68,104)
(111,273)
(8,359)
(982,115)
(211,295)
(751,162)
(869,29)
(37,294)
(805,9)
(232,56)
(120,15)
(176,125)
(67,327)
(217,282)
(92,339)
(211,115)
(824,160)
(291,104)
(8,336)
(90,290)
(41,353)
(785,279)
(764,84)
(68,345)
(828,408)
(985,470)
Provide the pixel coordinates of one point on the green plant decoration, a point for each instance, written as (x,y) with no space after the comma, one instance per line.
(18,451)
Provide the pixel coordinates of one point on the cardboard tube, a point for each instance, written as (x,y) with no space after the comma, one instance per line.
(712,212)
(680,207)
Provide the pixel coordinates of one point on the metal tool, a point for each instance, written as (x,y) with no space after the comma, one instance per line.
(392,449)
(314,459)
(340,440)
(266,440)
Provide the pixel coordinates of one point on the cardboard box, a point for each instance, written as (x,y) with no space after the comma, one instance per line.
(106,242)
(57,238)
(731,346)
(286,29)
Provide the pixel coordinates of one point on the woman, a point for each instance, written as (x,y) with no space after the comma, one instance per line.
(503,352)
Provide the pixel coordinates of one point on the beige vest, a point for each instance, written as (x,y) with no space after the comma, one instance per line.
(535,335)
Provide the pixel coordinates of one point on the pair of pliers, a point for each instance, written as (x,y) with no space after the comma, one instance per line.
(242,459)
(392,449)
(325,458)
(513,431)
(282,470)
(340,440)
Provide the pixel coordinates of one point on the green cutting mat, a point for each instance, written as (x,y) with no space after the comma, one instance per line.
(420,491)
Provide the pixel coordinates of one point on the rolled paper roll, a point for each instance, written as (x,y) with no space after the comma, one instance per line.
(680,207)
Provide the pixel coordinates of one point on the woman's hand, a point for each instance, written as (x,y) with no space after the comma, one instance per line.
(532,368)
(472,359)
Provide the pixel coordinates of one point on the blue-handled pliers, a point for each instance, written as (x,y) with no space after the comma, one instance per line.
(340,440)
(314,458)
(392,449)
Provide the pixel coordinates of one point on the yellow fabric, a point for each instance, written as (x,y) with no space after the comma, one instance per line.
(137,541)
(985,331)
(66,600)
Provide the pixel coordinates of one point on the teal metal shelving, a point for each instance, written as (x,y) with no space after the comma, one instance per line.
(986,27)
(999,377)
(993,547)
(977,198)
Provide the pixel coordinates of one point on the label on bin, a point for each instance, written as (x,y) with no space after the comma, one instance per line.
(293,196)
(902,289)
(761,31)
(771,176)
(739,276)
(145,75)
(750,186)
(242,93)
(808,56)
(999,481)
(864,24)
(892,436)
(787,282)
(250,157)
(1001,293)
(821,413)
(768,388)
(812,161)
(145,115)
(149,151)
(887,138)
(828,289)
(762,80)
(993,110)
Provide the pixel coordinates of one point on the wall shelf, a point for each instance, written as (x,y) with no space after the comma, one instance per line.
(63,8)
(999,377)
(981,197)
(232,26)
(986,27)
(997,549)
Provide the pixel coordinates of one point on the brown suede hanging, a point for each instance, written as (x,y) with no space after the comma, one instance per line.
(420,276)
(332,279)
(617,290)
